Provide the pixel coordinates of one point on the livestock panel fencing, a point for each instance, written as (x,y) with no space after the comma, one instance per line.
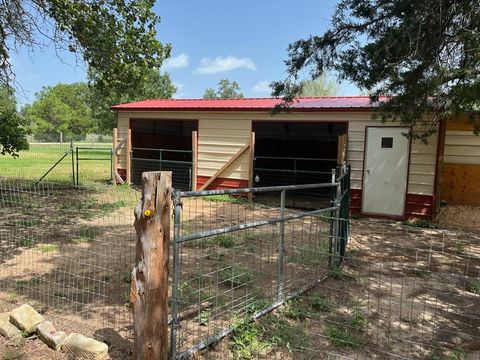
(236,259)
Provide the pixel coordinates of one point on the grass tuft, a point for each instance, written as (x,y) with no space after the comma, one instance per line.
(341,337)
(420,223)
(473,286)
(236,275)
(48,248)
(295,310)
(246,341)
(320,303)
(224,198)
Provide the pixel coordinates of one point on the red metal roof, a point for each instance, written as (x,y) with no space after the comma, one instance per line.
(251,104)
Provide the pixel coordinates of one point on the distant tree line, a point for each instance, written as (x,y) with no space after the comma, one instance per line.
(76,109)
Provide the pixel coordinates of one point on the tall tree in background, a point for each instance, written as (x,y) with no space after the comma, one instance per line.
(154,86)
(62,108)
(13,127)
(322,86)
(116,39)
(416,58)
(226,90)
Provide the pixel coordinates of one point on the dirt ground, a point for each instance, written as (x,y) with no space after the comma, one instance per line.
(412,287)
(461,217)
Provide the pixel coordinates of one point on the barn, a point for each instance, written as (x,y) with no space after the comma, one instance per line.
(228,143)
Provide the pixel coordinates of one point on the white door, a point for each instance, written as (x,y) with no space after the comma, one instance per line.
(385,171)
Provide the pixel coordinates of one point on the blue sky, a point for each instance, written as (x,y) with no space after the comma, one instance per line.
(241,40)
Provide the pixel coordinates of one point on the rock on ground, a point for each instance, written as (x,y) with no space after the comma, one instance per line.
(49,335)
(83,347)
(7,329)
(26,318)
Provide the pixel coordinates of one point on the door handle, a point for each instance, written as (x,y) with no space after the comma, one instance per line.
(368,171)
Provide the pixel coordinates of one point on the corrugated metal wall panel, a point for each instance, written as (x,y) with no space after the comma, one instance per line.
(218,141)
(222,134)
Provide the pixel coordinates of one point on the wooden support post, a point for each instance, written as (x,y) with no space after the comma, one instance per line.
(128,156)
(250,164)
(194,159)
(149,289)
(342,149)
(114,155)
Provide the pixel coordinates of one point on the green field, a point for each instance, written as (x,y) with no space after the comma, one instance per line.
(34,163)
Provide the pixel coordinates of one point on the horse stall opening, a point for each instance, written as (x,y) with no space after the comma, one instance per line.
(163,145)
(296,153)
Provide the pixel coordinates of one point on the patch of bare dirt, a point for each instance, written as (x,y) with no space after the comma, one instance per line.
(460,217)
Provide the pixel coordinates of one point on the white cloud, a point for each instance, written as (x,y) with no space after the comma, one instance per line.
(262,87)
(176,62)
(179,93)
(224,64)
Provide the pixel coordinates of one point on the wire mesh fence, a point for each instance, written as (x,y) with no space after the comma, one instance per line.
(277,171)
(234,258)
(400,292)
(89,163)
(180,162)
(69,252)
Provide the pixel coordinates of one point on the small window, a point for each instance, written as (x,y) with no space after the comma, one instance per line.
(387,142)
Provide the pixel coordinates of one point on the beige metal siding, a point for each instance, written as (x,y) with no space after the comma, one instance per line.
(222,134)
(422,159)
(462,147)
(218,141)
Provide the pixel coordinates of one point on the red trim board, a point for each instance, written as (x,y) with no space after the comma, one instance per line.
(221,183)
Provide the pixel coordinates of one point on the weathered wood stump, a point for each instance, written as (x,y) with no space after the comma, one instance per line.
(149,289)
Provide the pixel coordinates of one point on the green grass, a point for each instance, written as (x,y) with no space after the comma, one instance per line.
(342,337)
(224,198)
(310,255)
(473,286)
(246,341)
(27,241)
(48,248)
(282,332)
(203,318)
(320,303)
(87,234)
(20,284)
(194,289)
(24,223)
(348,331)
(236,276)
(223,240)
(460,248)
(420,223)
(109,207)
(35,162)
(295,310)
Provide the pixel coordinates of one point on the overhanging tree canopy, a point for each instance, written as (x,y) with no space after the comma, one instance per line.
(423,56)
(115,39)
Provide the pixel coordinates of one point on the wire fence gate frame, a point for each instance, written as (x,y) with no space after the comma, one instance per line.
(178,161)
(215,276)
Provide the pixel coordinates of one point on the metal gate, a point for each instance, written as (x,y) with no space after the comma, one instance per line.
(180,162)
(98,156)
(270,170)
(234,259)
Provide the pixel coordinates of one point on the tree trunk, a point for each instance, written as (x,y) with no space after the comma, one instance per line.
(149,289)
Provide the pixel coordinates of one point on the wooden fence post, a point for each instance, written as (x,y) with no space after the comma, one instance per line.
(129,157)
(114,154)
(149,288)
(251,180)
(194,159)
